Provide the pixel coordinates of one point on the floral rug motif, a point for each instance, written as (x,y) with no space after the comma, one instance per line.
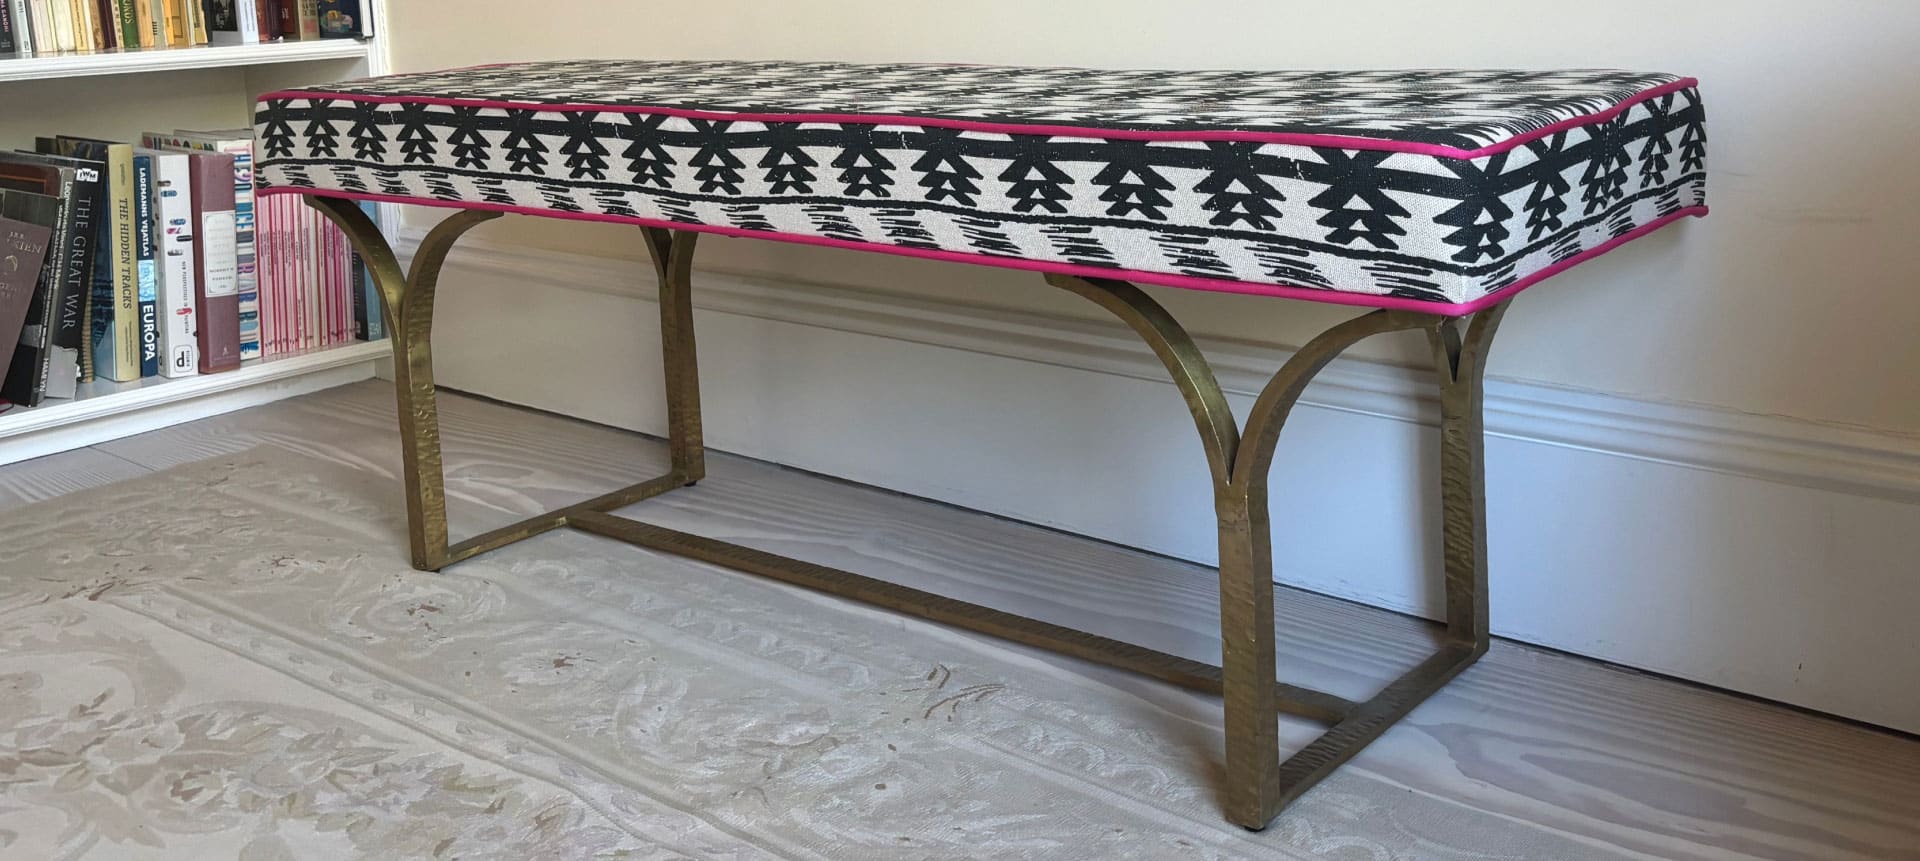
(233,660)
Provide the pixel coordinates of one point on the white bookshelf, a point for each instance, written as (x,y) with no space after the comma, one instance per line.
(46,67)
(118,95)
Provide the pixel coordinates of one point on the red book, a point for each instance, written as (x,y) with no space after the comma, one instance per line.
(216,247)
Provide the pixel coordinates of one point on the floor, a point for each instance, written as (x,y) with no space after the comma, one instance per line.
(1616,759)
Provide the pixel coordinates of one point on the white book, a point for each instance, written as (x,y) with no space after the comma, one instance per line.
(173,209)
(62,15)
(22,25)
(46,39)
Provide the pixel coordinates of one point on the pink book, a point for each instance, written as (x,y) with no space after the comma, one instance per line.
(266,270)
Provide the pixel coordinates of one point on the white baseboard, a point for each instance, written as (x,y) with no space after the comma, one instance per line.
(1763,554)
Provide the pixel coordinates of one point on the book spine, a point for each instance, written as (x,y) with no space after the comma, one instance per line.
(326,286)
(94,33)
(118,356)
(127,16)
(174,19)
(27,378)
(61,13)
(179,351)
(41,17)
(76,275)
(364,287)
(25,31)
(142,33)
(36,350)
(24,245)
(217,290)
(304,242)
(196,22)
(342,295)
(247,20)
(156,21)
(266,267)
(243,202)
(356,283)
(146,263)
(79,16)
(109,23)
(9,30)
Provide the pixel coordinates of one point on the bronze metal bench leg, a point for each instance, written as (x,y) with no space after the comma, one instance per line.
(672,254)
(408,300)
(1259,784)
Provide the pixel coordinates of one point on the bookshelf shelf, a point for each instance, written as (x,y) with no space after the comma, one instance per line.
(106,411)
(44,94)
(46,67)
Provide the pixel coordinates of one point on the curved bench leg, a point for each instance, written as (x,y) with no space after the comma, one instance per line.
(1258,783)
(408,300)
(672,254)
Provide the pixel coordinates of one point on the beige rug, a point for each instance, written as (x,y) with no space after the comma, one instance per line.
(232,660)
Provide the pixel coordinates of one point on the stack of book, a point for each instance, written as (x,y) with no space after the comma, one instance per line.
(124,261)
(60,26)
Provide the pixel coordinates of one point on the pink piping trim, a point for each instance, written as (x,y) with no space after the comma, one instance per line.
(1288,138)
(1189,282)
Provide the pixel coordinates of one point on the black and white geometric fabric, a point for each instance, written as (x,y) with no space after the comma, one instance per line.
(1437,189)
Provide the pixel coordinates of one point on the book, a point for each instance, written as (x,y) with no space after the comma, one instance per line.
(156,21)
(368,316)
(217,290)
(146,267)
(196,22)
(224,22)
(116,294)
(306,20)
(343,19)
(141,35)
(83,191)
(178,25)
(239,144)
(25,33)
(93,33)
(26,232)
(10,30)
(25,380)
(96,304)
(178,269)
(60,14)
(127,21)
(40,16)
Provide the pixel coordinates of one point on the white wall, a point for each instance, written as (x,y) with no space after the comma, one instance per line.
(1676,537)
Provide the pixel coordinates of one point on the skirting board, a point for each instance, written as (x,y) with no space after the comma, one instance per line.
(1765,555)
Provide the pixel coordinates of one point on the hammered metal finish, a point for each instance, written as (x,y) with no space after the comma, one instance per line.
(408,303)
(673,263)
(1258,784)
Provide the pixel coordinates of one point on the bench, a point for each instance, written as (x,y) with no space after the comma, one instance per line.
(1431,197)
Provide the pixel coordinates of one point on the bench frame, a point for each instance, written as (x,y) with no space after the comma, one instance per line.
(1258,783)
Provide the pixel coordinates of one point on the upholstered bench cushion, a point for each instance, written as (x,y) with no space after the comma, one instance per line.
(1441,190)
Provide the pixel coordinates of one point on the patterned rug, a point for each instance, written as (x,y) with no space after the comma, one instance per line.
(232,660)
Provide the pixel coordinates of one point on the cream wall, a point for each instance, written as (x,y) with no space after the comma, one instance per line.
(1800,296)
